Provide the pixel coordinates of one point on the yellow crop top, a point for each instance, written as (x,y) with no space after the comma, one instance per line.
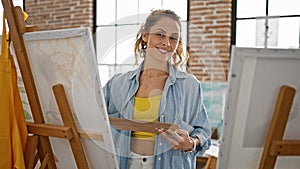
(145,109)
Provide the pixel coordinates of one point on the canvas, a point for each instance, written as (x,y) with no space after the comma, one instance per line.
(255,78)
(67,57)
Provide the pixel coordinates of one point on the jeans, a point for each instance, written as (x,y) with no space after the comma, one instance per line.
(138,161)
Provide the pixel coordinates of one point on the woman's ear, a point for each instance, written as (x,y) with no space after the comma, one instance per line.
(145,37)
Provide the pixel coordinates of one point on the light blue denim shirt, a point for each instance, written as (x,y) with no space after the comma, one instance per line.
(181,103)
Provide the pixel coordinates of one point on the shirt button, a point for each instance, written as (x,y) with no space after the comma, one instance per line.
(159,158)
(160,143)
(144,159)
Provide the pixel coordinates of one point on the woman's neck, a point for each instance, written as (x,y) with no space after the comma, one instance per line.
(153,68)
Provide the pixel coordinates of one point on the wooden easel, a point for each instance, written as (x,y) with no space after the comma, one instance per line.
(275,145)
(41,130)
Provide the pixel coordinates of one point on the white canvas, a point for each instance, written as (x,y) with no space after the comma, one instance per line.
(67,57)
(254,80)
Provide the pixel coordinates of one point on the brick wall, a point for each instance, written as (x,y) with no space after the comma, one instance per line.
(209,29)
(59,14)
(209,39)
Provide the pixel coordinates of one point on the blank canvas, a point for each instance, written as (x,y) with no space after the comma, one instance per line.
(255,77)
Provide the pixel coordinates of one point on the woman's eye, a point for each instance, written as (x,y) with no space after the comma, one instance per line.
(160,35)
(174,38)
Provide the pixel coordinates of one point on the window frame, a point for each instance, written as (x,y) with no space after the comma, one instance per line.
(234,20)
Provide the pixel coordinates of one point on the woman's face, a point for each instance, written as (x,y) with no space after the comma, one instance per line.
(162,39)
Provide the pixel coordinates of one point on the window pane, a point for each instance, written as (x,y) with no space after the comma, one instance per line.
(104,74)
(105,45)
(107,71)
(127,14)
(178,6)
(145,6)
(125,51)
(105,12)
(245,33)
(286,7)
(267,37)
(288,34)
(283,33)
(125,44)
(143,17)
(251,8)
(16,3)
(124,68)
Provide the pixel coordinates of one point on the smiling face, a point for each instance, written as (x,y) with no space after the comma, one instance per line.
(162,39)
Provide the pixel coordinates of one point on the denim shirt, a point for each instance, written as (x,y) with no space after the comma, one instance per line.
(181,104)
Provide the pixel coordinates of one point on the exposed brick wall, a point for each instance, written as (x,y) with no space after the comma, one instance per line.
(59,14)
(209,39)
(209,29)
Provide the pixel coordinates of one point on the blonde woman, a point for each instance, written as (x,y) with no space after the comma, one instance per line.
(158,91)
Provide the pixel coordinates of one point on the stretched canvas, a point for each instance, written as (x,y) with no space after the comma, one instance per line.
(255,78)
(67,57)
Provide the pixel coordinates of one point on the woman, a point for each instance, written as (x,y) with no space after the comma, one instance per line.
(159,91)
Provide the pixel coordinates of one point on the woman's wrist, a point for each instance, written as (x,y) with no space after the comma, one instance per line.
(193,148)
(197,141)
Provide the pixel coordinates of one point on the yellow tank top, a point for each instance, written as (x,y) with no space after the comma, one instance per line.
(145,109)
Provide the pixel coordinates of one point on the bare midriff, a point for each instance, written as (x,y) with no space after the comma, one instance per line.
(142,147)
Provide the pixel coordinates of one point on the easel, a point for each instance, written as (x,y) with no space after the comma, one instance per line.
(41,131)
(275,145)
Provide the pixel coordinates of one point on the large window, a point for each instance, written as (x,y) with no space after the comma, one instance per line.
(117,22)
(266,23)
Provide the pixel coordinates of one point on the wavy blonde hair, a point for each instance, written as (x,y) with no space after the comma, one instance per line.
(141,46)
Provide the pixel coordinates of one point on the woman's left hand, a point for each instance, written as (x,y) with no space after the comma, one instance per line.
(178,139)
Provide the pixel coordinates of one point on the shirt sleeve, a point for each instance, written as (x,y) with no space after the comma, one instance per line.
(110,106)
(200,123)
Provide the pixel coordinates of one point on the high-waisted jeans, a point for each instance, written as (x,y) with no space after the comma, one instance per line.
(138,161)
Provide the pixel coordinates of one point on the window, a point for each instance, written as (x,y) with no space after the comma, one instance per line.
(116,26)
(266,23)
(16,3)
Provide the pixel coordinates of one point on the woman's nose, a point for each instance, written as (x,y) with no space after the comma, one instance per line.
(166,41)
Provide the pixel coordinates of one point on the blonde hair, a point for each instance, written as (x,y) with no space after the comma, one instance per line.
(140,45)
